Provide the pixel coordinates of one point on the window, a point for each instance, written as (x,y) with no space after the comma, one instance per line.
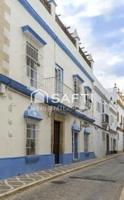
(32,63)
(31,138)
(59,80)
(77,85)
(111,119)
(77,88)
(88,100)
(103,107)
(86,142)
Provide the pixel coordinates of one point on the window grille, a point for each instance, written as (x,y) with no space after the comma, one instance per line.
(31,138)
(32,64)
(59,80)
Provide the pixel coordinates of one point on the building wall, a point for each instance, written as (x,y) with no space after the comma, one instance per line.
(51,50)
(120,141)
(13,104)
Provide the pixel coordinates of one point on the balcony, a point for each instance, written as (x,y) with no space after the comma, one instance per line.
(46,5)
(34,80)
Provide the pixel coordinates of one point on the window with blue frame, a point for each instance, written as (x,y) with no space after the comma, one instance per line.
(88,93)
(77,82)
(32,64)
(59,80)
(31,137)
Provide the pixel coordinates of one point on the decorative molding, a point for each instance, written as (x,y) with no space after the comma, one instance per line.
(4,40)
(33,35)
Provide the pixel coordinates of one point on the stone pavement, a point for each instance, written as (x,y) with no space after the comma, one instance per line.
(15,184)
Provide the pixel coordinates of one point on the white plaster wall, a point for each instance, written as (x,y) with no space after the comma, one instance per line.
(51,52)
(99,142)
(120,141)
(13,137)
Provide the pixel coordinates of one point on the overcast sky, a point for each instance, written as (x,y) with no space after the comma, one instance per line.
(100,25)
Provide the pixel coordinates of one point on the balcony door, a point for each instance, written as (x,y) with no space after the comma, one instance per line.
(59,80)
(31,61)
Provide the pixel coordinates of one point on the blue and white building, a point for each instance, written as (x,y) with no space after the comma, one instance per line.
(42,58)
(43,55)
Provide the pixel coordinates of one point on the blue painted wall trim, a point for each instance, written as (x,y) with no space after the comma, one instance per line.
(21,165)
(87,155)
(32,113)
(51,33)
(24,90)
(88,88)
(77,76)
(68,158)
(28,29)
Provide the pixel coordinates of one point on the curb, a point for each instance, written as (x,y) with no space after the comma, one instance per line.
(97,162)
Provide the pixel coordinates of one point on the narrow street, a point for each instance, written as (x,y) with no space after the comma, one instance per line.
(103,182)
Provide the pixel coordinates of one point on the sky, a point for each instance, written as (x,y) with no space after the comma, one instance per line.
(100,25)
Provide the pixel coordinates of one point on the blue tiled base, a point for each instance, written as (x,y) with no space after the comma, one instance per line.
(87,155)
(21,165)
(68,158)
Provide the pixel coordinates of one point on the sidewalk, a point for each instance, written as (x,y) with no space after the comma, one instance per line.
(18,183)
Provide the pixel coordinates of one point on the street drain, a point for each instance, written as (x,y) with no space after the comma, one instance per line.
(94,178)
(58,182)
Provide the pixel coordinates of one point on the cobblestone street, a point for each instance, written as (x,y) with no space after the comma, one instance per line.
(102,182)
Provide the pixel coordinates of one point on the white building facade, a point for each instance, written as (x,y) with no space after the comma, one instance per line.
(118,100)
(40,58)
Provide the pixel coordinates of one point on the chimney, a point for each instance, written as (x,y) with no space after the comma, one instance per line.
(53,8)
(75,35)
(90,58)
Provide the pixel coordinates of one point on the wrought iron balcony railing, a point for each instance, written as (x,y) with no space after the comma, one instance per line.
(53,87)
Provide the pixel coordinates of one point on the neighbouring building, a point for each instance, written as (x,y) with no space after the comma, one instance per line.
(38,59)
(118,100)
